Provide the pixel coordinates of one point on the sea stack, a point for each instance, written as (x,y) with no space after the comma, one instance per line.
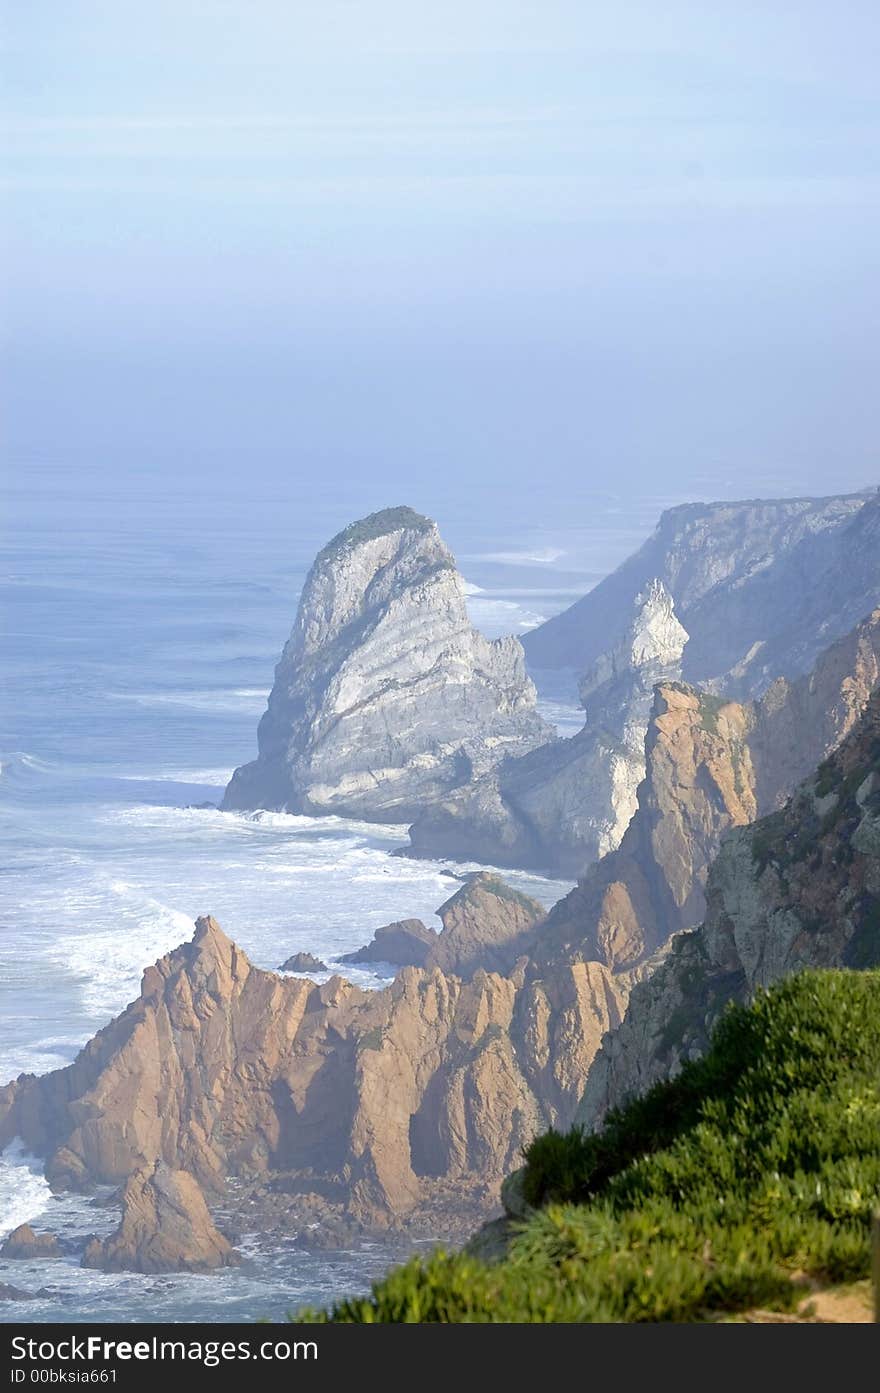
(386,697)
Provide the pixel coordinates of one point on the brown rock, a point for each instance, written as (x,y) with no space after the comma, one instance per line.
(405,943)
(798,888)
(303,962)
(165,1227)
(712,765)
(486,925)
(24,1243)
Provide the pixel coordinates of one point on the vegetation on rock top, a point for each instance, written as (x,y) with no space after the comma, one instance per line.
(374,525)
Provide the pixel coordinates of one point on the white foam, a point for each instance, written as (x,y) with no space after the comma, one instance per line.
(110,964)
(218,699)
(217,778)
(544,556)
(24,1190)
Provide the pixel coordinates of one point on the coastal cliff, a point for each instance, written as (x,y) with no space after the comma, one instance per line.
(386,697)
(790,575)
(568,802)
(798,888)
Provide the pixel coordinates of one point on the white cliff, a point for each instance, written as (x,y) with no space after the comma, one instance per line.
(386,697)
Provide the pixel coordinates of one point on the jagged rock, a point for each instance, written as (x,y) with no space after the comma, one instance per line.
(23,1243)
(303,962)
(385,697)
(486,925)
(221,1068)
(440,1078)
(618,688)
(564,804)
(712,765)
(165,1227)
(798,888)
(717,558)
(405,943)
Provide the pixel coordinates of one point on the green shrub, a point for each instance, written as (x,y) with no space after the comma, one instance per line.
(760,1161)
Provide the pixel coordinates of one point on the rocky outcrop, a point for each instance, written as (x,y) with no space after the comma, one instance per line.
(165,1227)
(776,621)
(303,962)
(405,943)
(698,784)
(798,888)
(220,1068)
(712,765)
(568,802)
(486,924)
(707,553)
(22,1243)
(796,724)
(385,697)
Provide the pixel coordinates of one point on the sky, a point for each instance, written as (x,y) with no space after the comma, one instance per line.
(479,244)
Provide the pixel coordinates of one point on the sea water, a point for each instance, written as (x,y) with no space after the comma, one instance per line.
(141,635)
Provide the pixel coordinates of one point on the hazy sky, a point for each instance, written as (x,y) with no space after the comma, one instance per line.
(476,239)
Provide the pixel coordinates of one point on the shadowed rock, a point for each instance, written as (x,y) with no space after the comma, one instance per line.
(303,962)
(23,1243)
(405,943)
(165,1227)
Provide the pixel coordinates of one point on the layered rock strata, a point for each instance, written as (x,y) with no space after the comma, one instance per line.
(385,697)
(165,1227)
(566,803)
(712,765)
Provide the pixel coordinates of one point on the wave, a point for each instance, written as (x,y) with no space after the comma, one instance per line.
(216,778)
(18,764)
(207,699)
(545,556)
(24,1190)
(110,963)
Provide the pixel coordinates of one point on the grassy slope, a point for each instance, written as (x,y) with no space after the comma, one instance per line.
(759,1163)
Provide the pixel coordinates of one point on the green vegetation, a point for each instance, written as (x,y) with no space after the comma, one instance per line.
(371,1039)
(710,709)
(493,885)
(759,1163)
(376,525)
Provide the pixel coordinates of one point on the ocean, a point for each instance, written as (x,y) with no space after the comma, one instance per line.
(142,626)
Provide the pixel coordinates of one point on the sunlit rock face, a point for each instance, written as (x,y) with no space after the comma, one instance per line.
(386,697)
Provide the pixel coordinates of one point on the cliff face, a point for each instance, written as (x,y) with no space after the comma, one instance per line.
(220,1068)
(568,802)
(165,1227)
(486,924)
(798,888)
(712,765)
(698,784)
(385,697)
(760,586)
